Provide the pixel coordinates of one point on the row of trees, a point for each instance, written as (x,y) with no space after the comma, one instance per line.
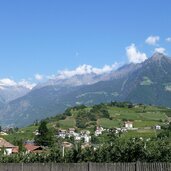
(118,150)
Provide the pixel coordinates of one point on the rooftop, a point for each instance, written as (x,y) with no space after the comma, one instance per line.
(4,143)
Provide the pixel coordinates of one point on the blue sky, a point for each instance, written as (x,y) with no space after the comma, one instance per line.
(43,37)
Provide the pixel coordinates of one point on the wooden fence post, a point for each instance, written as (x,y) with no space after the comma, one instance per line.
(22,167)
(138,165)
(51,166)
(88,169)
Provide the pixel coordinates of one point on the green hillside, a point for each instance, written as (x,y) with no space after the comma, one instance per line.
(112,115)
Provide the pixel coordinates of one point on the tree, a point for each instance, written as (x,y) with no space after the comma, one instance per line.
(81,123)
(68,112)
(19,143)
(57,125)
(44,137)
(105,113)
(36,122)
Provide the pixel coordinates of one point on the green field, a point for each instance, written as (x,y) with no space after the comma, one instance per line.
(143,117)
(67,123)
(139,133)
(109,123)
(26,133)
(148,123)
(149,113)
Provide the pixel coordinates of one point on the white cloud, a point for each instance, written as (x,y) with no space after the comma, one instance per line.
(86,69)
(152,40)
(134,55)
(168,39)
(160,50)
(7,82)
(26,84)
(38,77)
(53,76)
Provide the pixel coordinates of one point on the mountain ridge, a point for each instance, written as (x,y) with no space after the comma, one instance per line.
(147,82)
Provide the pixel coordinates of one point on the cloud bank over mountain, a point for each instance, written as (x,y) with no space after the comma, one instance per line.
(87,69)
(134,55)
(7,82)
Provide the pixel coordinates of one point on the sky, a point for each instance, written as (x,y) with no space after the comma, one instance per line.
(41,38)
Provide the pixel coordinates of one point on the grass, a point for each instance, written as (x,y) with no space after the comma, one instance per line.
(23,134)
(142,124)
(69,122)
(154,116)
(140,113)
(107,123)
(139,133)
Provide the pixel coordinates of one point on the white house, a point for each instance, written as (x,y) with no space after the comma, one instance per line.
(78,138)
(7,147)
(157,127)
(71,131)
(128,124)
(99,131)
(62,133)
(87,138)
(85,132)
(36,132)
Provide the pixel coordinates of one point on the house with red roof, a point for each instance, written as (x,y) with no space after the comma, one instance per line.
(31,148)
(8,147)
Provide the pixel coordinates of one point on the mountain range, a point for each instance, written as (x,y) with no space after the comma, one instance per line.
(148,82)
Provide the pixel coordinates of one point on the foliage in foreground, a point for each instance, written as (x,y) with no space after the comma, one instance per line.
(118,150)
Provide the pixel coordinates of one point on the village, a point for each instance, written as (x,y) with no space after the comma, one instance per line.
(83,136)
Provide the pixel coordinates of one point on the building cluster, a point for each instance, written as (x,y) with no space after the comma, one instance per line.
(83,135)
(71,132)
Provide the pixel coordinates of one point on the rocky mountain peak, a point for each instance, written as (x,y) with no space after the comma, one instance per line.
(158,56)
